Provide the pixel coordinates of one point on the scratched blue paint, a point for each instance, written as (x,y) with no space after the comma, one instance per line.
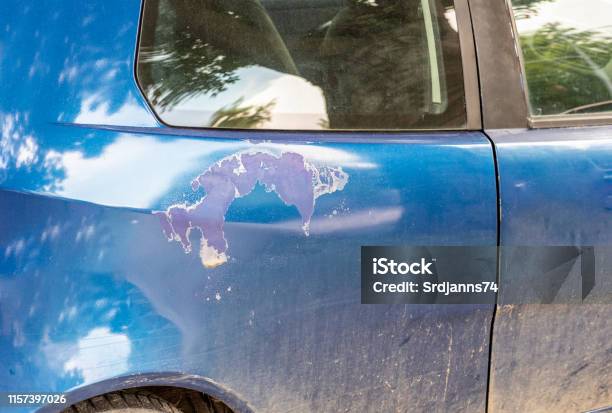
(296,182)
(90,289)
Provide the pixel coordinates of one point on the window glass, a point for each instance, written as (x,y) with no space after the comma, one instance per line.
(302,64)
(567,54)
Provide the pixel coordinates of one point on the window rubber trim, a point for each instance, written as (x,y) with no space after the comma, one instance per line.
(570,121)
(469,62)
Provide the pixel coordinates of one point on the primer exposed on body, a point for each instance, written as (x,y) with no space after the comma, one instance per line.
(296,182)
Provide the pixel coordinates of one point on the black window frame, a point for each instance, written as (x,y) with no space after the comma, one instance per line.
(503,80)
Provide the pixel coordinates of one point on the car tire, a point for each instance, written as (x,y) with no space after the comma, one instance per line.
(196,402)
(124,402)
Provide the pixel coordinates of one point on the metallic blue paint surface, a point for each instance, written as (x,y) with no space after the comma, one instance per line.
(555,189)
(556,186)
(91,291)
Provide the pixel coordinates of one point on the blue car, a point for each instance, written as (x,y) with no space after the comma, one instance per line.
(187,188)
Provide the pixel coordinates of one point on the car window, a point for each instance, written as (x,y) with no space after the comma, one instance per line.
(567,54)
(302,64)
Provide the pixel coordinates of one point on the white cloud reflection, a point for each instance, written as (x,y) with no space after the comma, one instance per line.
(95,110)
(99,355)
(16,145)
(135,171)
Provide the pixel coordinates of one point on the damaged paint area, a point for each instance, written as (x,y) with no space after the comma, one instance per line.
(295,181)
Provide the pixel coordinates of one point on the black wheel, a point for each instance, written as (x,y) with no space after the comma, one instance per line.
(196,402)
(124,402)
(143,401)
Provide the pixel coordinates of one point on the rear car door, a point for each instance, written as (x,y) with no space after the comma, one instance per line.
(550,120)
(186,187)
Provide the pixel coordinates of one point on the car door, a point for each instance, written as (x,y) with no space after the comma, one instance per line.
(550,124)
(164,223)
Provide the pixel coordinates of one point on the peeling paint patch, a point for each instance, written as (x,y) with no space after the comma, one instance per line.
(296,182)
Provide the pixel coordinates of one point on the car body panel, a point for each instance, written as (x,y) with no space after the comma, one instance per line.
(281,323)
(92,292)
(555,189)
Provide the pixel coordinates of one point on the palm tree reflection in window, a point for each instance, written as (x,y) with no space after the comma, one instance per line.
(237,116)
(568,69)
(195,49)
(186,68)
